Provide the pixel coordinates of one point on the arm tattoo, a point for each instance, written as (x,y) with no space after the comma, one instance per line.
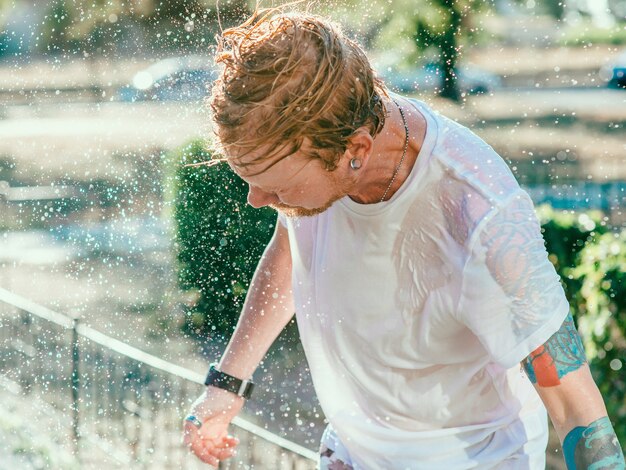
(561,354)
(593,448)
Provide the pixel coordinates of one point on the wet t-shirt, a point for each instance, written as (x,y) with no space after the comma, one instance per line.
(415,313)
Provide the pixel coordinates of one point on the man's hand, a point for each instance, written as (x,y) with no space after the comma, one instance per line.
(268,308)
(215,408)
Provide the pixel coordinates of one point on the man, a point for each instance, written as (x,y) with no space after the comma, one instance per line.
(413,261)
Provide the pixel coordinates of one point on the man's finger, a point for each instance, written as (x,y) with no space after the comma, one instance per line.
(231,440)
(226,448)
(209,431)
(190,432)
(225,453)
(203,450)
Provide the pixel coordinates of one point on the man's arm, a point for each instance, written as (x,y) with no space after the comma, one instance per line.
(560,373)
(268,308)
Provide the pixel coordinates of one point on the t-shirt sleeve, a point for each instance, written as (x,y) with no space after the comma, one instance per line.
(511,296)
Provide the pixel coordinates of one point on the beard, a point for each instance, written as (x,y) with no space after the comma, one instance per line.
(295,211)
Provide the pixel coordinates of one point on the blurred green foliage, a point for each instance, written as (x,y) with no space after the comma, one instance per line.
(554,8)
(591,260)
(566,234)
(219,239)
(444,26)
(600,307)
(24,445)
(442,29)
(437,29)
(586,34)
(122,27)
(55,30)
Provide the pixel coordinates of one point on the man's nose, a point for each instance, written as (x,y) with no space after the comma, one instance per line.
(259,198)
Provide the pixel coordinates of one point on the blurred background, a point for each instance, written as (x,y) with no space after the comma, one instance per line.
(122,273)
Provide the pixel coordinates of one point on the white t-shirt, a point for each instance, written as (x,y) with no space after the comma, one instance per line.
(414,313)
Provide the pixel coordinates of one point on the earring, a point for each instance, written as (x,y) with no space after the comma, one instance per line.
(355,163)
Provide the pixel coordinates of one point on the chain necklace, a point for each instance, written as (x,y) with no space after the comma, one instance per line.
(406,146)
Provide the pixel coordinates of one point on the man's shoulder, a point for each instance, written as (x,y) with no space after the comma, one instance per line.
(471,162)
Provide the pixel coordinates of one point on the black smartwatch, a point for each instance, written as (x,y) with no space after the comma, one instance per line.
(219,379)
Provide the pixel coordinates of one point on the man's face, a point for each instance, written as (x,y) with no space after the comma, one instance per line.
(296,185)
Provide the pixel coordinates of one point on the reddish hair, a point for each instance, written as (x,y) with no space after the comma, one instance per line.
(291,77)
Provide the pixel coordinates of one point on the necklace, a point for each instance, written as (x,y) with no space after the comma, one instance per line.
(406,146)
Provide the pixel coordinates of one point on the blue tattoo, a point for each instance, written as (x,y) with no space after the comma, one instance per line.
(593,448)
(561,354)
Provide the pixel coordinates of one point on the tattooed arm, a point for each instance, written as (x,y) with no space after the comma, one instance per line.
(561,375)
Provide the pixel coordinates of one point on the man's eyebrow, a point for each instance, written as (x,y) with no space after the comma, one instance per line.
(245,169)
(274,156)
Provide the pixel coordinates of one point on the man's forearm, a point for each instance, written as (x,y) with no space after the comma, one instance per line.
(593,447)
(561,375)
(267,309)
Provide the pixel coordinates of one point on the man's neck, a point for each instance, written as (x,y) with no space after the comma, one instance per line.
(387,152)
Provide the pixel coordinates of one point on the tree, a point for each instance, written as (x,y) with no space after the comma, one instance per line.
(54,30)
(439,28)
(443,35)
(442,24)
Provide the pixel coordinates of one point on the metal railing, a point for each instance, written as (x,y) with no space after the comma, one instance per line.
(127,402)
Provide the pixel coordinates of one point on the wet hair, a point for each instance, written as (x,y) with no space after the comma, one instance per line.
(287,78)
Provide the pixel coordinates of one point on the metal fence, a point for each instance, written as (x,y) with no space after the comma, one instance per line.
(125,401)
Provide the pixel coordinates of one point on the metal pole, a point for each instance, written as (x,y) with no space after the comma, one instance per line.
(75,387)
(5,280)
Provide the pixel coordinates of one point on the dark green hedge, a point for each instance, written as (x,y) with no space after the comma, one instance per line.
(600,306)
(566,234)
(219,239)
(591,260)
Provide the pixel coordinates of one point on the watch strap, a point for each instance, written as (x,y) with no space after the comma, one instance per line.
(219,379)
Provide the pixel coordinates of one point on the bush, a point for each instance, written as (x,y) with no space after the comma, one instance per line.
(218,237)
(592,264)
(566,234)
(600,306)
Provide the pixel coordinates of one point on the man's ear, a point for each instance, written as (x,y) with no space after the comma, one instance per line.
(360,145)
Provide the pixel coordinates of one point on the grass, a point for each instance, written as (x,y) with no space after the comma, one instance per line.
(587,35)
(28,447)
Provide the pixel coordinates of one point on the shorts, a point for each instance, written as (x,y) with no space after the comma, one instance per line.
(333,455)
(531,456)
